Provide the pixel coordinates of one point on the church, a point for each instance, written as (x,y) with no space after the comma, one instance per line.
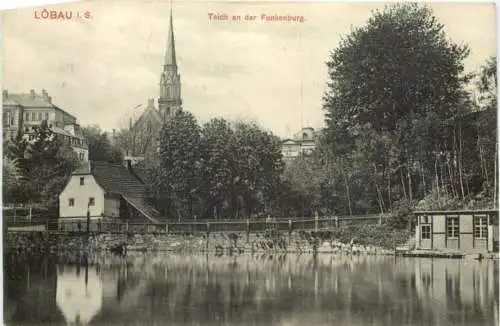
(144,131)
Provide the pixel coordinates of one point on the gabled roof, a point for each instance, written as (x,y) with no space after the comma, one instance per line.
(150,111)
(116,179)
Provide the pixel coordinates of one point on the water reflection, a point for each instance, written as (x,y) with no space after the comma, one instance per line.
(258,290)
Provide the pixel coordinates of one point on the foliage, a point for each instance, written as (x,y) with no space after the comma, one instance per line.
(217,170)
(100,146)
(42,165)
(173,182)
(400,124)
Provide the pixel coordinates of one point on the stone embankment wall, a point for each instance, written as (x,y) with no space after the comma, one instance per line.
(298,242)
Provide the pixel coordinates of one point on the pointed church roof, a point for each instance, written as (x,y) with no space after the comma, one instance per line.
(170,59)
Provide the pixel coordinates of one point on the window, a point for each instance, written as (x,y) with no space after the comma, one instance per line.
(27,129)
(424,219)
(82,181)
(33,116)
(452,227)
(426,231)
(91,201)
(46,116)
(481,227)
(40,116)
(27,116)
(72,202)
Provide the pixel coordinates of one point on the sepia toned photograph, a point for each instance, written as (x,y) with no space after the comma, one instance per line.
(250,163)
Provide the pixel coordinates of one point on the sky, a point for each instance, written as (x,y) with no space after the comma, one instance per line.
(100,68)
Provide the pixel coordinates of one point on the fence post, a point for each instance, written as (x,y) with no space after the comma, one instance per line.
(208,236)
(316,222)
(126,226)
(290,229)
(248,230)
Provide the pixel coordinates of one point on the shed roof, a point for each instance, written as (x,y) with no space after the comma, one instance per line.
(462,211)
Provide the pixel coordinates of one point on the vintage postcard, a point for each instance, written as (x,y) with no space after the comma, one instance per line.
(250,163)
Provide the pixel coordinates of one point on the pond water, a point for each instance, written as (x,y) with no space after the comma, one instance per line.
(166,289)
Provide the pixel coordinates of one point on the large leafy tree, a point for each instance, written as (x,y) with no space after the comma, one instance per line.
(259,165)
(219,172)
(395,86)
(174,181)
(42,164)
(100,146)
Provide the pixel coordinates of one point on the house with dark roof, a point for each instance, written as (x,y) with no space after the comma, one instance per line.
(24,111)
(108,191)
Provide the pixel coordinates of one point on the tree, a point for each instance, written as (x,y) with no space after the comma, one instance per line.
(173,182)
(259,165)
(43,165)
(393,84)
(219,172)
(100,146)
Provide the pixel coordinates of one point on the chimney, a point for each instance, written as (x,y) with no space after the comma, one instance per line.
(5,94)
(32,93)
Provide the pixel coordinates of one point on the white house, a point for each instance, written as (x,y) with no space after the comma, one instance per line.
(105,191)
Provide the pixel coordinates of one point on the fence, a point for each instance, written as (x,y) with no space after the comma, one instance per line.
(249,226)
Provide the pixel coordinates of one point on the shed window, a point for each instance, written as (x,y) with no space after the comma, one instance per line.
(426,231)
(91,201)
(452,227)
(82,181)
(481,227)
(72,202)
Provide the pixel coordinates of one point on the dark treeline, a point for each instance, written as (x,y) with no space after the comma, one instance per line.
(217,170)
(402,128)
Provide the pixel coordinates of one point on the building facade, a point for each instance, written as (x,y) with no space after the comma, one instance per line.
(145,130)
(23,112)
(302,143)
(462,231)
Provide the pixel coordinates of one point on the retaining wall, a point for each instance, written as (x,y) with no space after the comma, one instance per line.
(242,242)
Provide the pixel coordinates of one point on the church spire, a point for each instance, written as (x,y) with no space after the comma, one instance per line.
(170,59)
(170,81)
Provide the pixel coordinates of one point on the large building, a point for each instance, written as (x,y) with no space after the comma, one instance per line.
(302,143)
(145,129)
(23,112)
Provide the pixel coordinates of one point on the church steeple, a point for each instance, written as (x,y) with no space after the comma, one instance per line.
(170,59)
(170,81)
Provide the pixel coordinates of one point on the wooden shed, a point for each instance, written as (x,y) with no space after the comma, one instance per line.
(474,231)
